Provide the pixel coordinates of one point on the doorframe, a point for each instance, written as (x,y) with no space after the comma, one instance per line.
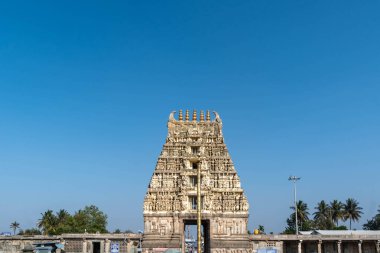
(206,224)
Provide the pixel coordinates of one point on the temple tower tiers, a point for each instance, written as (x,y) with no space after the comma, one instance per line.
(170,202)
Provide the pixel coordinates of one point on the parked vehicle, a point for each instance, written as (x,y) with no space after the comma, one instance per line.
(48,247)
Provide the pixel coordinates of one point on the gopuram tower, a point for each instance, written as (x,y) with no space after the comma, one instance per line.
(170,203)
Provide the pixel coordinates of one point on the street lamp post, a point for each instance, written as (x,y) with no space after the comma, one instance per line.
(295,179)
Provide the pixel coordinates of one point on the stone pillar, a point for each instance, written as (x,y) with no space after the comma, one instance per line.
(107,246)
(176,224)
(378,246)
(128,245)
(300,246)
(22,245)
(84,245)
(339,244)
(360,246)
(320,246)
(101,246)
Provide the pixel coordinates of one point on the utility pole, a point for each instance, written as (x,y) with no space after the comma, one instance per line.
(295,179)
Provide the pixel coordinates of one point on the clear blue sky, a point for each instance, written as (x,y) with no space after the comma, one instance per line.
(86,88)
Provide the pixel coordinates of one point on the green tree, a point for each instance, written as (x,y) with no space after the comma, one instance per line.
(97,219)
(337,208)
(341,227)
(64,221)
(30,231)
(323,216)
(374,223)
(62,216)
(48,223)
(90,219)
(302,212)
(302,216)
(323,210)
(352,210)
(15,225)
(261,229)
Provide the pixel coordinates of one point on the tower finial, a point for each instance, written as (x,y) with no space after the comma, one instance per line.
(187,115)
(194,115)
(202,118)
(208,118)
(180,117)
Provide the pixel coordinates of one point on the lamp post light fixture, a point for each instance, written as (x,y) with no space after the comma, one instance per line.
(295,179)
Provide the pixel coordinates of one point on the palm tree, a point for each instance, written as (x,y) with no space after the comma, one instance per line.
(352,210)
(302,212)
(323,216)
(15,225)
(63,222)
(47,222)
(323,210)
(336,211)
(62,216)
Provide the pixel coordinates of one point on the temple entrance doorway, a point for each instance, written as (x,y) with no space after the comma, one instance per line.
(189,238)
(95,247)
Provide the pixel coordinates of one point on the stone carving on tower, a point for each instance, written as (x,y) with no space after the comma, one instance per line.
(170,201)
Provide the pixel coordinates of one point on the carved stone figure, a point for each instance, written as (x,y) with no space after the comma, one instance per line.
(206,203)
(206,181)
(187,164)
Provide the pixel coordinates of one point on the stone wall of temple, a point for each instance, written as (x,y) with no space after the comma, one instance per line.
(129,243)
(73,243)
(345,243)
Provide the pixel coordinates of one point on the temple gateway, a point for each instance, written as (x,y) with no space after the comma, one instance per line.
(171,202)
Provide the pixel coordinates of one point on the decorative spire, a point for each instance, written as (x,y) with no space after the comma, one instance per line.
(202,119)
(180,117)
(187,115)
(208,118)
(194,115)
